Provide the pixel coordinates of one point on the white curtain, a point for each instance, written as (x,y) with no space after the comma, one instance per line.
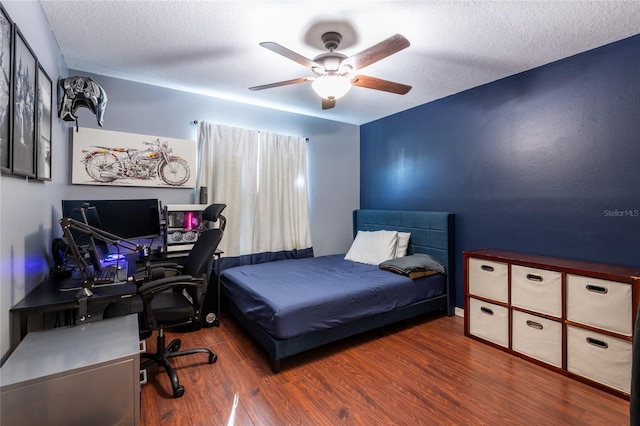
(262,178)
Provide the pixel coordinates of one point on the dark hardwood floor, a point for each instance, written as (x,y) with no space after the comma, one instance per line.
(419,372)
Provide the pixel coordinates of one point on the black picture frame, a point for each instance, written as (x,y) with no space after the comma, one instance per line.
(6,73)
(44,125)
(23,137)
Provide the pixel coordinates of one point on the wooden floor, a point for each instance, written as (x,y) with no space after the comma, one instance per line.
(420,372)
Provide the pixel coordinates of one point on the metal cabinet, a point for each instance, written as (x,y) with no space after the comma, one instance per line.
(85,374)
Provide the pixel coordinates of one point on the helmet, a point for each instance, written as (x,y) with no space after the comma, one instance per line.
(82,92)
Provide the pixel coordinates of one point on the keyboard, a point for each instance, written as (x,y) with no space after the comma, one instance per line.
(115,273)
(109,275)
(106,275)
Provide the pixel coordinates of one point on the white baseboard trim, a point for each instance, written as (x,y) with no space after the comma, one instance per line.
(459,312)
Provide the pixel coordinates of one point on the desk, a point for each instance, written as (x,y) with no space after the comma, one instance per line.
(86,374)
(46,298)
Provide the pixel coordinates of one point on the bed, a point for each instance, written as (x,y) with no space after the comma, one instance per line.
(291,306)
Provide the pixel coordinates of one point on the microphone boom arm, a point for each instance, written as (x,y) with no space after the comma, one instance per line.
(68,224)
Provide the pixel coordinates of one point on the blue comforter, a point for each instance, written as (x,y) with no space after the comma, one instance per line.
(292,297)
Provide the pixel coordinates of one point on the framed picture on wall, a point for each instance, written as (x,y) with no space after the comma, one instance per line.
(6,39)
(43,146)
(105,157)
(23,137)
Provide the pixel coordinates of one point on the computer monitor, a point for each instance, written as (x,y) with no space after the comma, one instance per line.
(132,219)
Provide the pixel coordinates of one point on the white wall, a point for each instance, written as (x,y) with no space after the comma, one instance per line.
(30,210)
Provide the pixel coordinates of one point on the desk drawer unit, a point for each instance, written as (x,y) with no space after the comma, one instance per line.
(572,316)
(87,374)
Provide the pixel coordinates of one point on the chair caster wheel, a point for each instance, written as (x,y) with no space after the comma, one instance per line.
(213,358)
(178,392)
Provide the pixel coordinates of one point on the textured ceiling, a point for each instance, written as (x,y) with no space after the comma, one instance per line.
(211,47)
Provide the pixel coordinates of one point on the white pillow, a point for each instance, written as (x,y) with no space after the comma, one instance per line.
(403,244)
(373,247)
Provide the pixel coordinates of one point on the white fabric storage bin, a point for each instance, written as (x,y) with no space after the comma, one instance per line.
(599,357)
(599,303)
(537,337)
(489,321)
(489,279)
(537,290)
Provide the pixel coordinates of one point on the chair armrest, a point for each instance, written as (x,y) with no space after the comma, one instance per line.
(165,265)
(164,284)
(153,265)
(154,271)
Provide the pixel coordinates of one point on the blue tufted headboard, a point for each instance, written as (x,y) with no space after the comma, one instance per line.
(431,233)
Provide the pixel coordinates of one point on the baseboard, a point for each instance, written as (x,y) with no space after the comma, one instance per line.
(459,312)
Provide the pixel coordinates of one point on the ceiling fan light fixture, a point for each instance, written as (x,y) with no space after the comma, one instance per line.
(331,86)
(336,73)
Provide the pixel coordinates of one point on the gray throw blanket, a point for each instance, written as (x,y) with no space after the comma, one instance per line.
(413,263)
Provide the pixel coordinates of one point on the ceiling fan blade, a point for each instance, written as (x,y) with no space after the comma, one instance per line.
(385,48)
(289,54)
(380,84)
(328,103)
(281,83)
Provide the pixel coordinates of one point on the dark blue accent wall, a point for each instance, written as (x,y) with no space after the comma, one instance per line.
(545,162)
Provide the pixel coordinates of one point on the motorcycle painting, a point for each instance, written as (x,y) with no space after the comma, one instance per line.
(103,157)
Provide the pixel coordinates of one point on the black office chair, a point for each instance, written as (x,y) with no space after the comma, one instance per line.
(173,295)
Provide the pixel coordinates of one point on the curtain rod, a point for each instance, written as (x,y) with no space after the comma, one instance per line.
(195,122)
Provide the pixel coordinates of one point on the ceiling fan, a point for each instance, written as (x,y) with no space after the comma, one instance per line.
(336,73)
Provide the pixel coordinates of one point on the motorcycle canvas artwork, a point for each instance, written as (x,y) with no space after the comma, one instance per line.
(102,157)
